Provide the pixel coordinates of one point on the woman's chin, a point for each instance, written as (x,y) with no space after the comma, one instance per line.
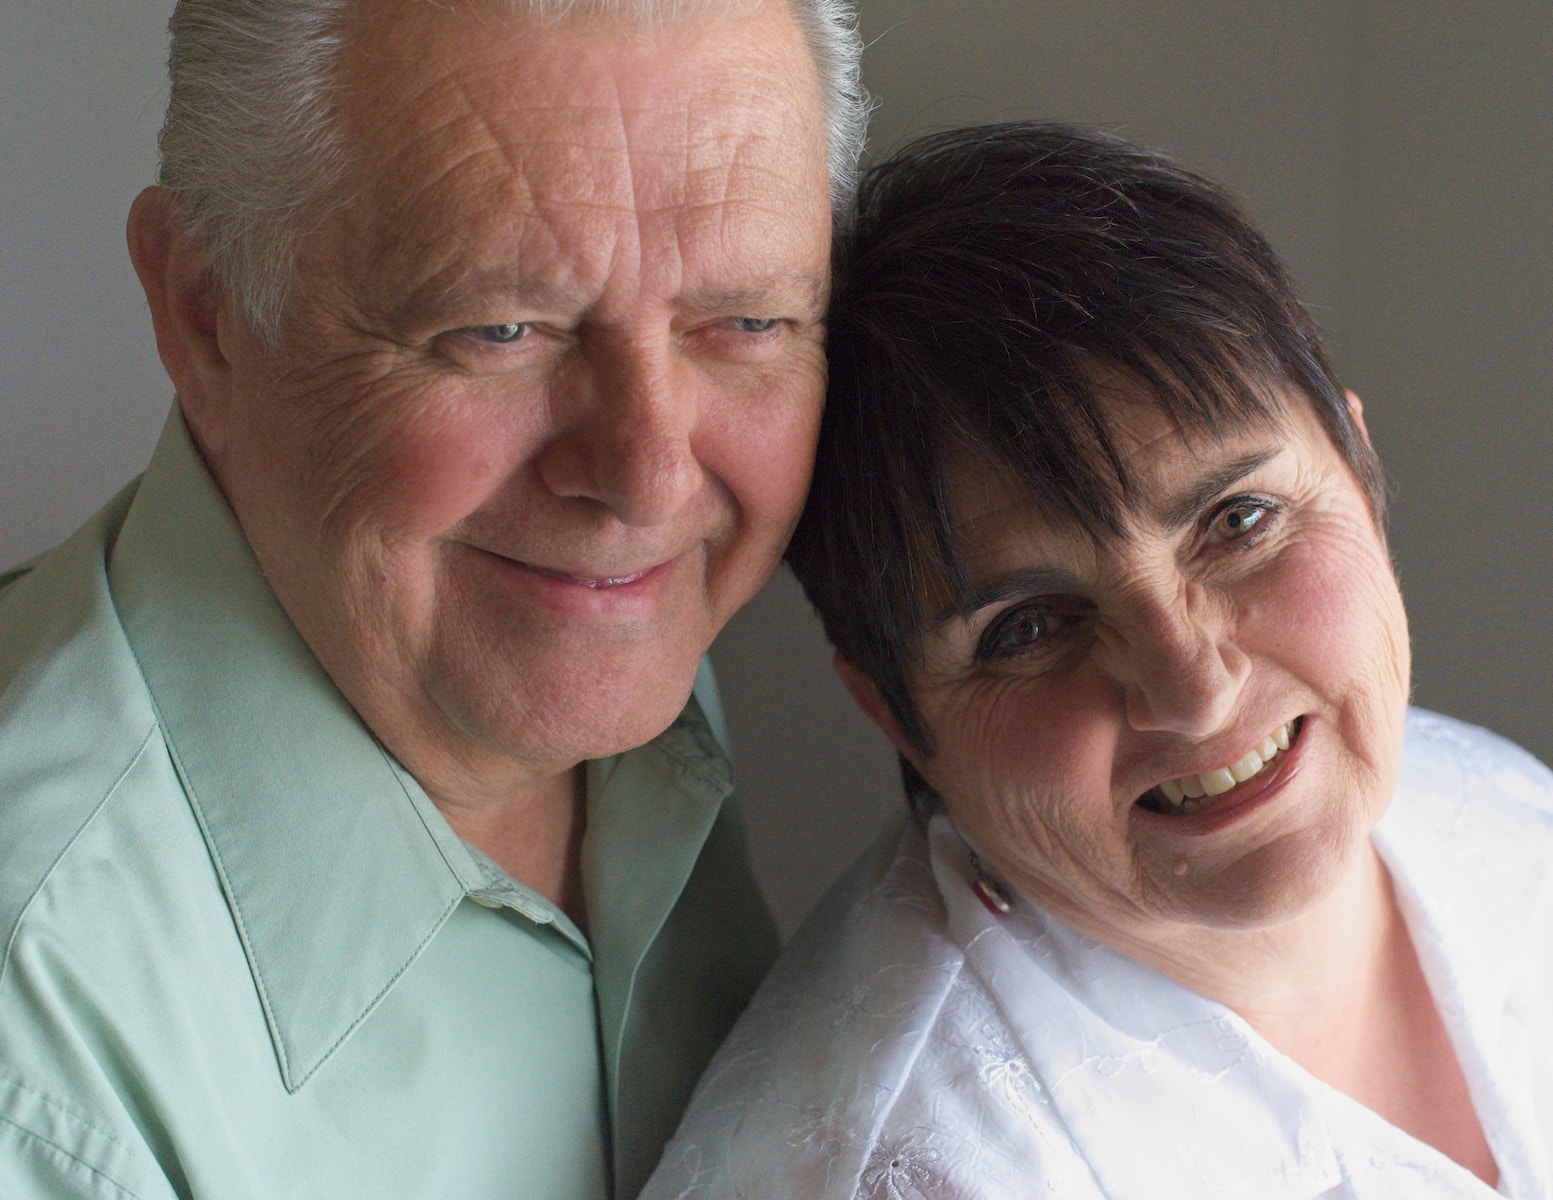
(1268,886)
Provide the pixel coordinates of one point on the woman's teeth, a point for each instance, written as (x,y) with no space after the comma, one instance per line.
(1183,794)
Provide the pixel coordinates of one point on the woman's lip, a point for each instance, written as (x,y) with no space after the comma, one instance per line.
(1236,803)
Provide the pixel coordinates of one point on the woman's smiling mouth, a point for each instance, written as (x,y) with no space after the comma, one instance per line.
(1190,793)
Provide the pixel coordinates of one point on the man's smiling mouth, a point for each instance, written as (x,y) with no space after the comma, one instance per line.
(1189,793)
(597,582)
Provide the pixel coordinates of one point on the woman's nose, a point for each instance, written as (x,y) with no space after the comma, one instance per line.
(624,437)
(1181,671)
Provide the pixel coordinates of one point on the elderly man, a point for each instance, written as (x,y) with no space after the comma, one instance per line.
(361,833)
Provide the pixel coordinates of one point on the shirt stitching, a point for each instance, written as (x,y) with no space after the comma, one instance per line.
(61,1106)
(689,761)
(75,1158)
(293,1082)
(271,1021)
(372,1005)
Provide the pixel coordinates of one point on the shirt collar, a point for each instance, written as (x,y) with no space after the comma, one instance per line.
(1464,841)
(334,874)
(1468,804)
(1144,1073)
(649,814)
(337,866)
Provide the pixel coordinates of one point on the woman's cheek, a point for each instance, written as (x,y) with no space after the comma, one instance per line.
(1015,744)
(1332,616)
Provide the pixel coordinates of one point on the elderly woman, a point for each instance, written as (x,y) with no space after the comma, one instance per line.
(1191,904)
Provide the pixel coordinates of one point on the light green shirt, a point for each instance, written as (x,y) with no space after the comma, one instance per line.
(244,955)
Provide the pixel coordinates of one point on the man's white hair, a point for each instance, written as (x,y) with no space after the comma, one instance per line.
(251,143)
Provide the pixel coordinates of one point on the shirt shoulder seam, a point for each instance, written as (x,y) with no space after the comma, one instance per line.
(75,836)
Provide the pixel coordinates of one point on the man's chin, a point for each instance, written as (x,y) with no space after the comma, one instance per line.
(562,704)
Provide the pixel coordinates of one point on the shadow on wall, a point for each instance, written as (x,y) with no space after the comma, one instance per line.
(816,778)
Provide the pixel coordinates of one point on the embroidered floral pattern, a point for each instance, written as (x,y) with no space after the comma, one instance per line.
(902,1168)
(1003,1068)
(821,1134)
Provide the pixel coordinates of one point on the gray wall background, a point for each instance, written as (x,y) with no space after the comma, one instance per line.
(1398,152)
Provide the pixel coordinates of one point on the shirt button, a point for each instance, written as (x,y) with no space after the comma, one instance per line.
(484,901)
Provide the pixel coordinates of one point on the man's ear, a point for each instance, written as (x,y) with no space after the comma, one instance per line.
(186,312)
(866,692)
(1356,411)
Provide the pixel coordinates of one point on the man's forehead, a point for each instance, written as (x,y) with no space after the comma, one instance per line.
(508,156)
(605,111)
(406,55)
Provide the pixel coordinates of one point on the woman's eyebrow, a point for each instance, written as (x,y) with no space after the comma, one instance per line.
(1031,581)
(1183,511)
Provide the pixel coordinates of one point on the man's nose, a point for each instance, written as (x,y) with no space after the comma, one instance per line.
(1179,666)
(625,439)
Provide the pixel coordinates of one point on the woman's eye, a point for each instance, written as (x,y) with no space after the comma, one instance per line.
(500,335)
(1018,631)
(1239,520)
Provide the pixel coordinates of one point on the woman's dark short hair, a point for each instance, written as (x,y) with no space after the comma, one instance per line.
(997,284)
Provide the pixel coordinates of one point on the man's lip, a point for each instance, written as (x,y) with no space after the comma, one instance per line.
(596,582)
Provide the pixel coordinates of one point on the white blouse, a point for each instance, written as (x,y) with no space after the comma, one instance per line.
(912,1045)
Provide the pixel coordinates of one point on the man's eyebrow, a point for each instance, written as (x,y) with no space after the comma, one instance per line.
(1028,581)
(1184,510)
(432,298)
(808,290)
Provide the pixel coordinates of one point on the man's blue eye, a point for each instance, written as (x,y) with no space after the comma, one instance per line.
(754,324)
(500,334)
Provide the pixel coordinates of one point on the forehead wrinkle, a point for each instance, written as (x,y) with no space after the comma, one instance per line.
(757,169)
(681,173)
(516,205)
(500,144)
(560,144)
(625,161)
(713,159)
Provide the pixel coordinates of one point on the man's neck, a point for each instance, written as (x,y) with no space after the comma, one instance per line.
(536,837)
